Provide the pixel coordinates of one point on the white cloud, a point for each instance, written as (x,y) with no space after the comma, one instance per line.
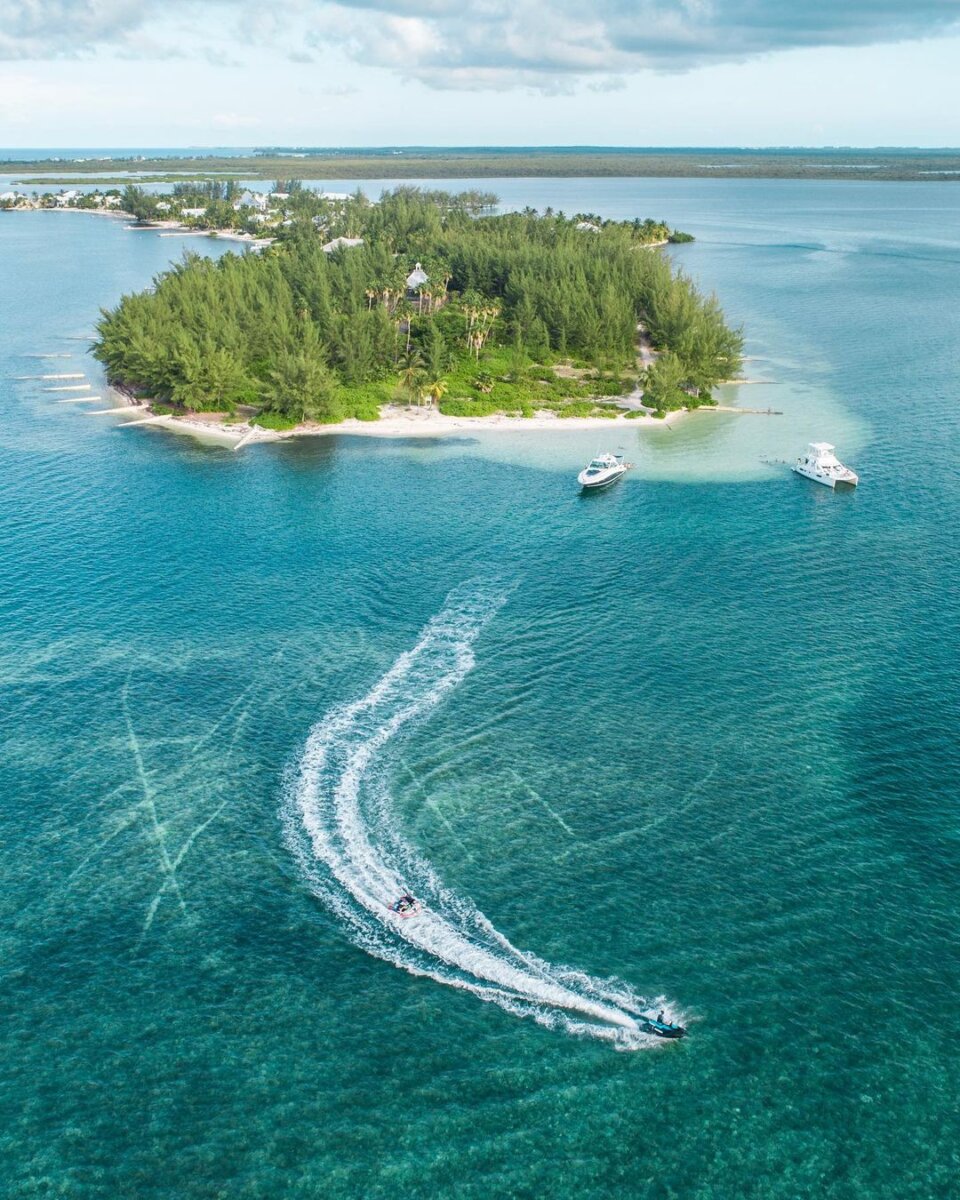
(484,44)
(498,43)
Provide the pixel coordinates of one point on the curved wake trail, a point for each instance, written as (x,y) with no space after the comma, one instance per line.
(339,823)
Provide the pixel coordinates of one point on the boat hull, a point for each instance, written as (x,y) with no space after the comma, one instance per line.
(830,481)
(602,482)
(662,1029)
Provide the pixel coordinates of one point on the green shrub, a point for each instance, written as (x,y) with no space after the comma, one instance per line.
(274,420)
(465,406)
(578,408)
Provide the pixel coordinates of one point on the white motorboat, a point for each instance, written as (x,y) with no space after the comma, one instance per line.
(820,464)
(601,471)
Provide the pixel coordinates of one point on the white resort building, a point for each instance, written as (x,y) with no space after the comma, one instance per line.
(416,279)
(248,199)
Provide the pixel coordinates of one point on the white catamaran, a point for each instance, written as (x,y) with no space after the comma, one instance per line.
(820,464)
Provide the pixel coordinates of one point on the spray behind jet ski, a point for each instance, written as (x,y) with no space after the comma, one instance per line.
(340,824)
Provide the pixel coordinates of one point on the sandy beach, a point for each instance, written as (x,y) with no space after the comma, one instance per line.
(395,422)
(177,229)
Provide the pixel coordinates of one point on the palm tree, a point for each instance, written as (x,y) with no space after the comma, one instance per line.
(413,377)
(403,318)
(436,390)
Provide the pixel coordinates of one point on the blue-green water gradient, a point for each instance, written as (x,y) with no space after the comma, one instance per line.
(707,747)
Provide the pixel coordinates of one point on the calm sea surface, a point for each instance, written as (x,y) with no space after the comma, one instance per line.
(691,743)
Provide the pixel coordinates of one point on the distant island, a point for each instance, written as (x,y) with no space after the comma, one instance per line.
(422,299)
(491,162)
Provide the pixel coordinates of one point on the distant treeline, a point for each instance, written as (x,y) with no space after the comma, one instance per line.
(309,334)
(225,204)
(929,165)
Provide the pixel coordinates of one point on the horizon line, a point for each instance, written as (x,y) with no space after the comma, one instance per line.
(303,148)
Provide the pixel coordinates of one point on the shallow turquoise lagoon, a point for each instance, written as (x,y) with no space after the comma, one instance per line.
(690,742)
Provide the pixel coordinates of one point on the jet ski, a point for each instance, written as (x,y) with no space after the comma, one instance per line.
(406,906)
(661,1028)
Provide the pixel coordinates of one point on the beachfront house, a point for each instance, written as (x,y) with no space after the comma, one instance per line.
(112,201)
(255,200)
(65,199)
(334,196)
(163,206)
(191,212)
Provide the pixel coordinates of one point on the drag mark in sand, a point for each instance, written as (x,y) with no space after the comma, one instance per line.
(148,796)
(535,795)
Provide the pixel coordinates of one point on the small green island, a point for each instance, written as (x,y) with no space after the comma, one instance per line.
(424,299)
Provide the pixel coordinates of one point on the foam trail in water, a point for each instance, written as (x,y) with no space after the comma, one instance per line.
(339,823)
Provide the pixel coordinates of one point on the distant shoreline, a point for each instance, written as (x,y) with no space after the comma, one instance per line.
(942,165)
(178,229)
(161,228)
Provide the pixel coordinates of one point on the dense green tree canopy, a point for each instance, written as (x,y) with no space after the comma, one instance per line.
(305,333)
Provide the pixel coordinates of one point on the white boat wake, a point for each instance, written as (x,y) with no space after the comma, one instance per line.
(339,823)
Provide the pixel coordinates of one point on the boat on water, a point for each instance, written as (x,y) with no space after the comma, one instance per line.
(661,1028)
(406,906)
(820,464)
(601,471)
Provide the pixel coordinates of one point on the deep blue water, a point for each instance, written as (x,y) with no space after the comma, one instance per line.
(696,735)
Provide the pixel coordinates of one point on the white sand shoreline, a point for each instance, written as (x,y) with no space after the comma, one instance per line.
(400,422)
(394,423)
(161,228)
(174,228)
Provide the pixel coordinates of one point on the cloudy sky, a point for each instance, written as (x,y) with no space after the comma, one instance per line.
(89,73)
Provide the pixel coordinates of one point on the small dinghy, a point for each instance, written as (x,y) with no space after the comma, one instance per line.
(406,906)
(661,1028)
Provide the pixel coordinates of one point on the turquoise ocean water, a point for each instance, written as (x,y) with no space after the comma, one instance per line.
(691,742)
